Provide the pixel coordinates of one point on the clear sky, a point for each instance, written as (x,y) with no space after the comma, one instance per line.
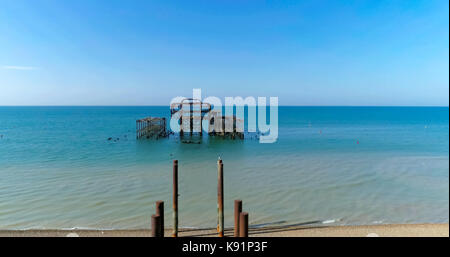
(87,52)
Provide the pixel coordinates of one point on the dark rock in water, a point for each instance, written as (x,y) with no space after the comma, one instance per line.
(190,142)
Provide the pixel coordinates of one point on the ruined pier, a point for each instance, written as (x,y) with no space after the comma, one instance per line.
(191,113)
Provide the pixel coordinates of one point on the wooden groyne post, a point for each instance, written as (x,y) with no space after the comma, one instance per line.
(160,213)
(237,213)
(220,214)
(175,198)
(156,225)
(243,224)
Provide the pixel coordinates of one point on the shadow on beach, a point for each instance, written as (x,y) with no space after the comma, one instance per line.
(255,229)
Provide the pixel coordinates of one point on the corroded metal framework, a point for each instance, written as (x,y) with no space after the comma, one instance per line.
(224,126)
(191,112)
(150,127)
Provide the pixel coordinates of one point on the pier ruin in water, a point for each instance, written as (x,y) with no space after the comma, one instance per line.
(190,114)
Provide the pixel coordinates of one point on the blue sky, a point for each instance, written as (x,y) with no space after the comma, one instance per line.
(358,52)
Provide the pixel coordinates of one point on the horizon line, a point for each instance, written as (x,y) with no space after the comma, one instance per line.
(225,105)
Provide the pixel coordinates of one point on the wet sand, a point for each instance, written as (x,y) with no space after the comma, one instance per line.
(395,230)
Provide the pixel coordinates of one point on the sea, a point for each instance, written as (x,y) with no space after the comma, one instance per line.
(82,167)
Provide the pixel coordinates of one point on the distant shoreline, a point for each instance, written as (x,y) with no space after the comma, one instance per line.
(388,230)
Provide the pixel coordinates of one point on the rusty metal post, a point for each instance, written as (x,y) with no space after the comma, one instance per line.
(220,198)
(181,123)
(175,198)
(160,212)
(165,125)
(137,129)
(201,119)
(191,118)
(237,213)
(243,224)
(156,225)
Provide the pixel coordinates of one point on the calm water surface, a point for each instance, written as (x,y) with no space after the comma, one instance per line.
(334,165)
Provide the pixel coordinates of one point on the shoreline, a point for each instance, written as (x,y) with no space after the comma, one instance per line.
(387,230)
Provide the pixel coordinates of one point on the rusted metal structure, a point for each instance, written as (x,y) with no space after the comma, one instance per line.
(243,224)
(220,213)
(190,112)
(160,213)
(156,225)
(151,127)
(225,126)
(175,198)
(240,218)
(237,213)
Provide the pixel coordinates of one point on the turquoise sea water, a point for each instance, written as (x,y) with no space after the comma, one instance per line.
(334,165)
